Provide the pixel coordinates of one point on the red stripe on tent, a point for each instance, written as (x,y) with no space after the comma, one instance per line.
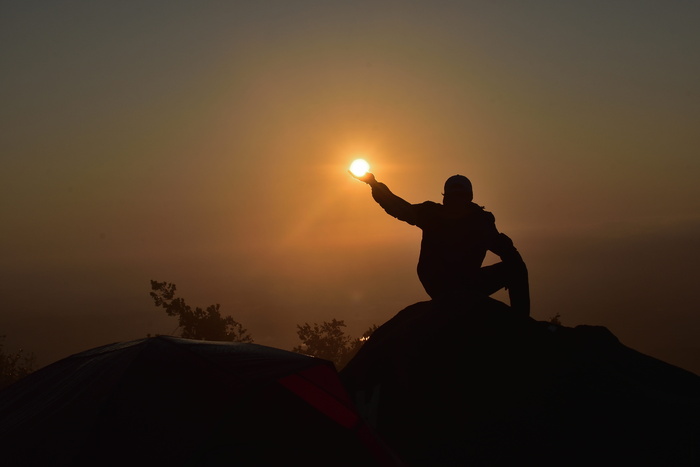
(321,400)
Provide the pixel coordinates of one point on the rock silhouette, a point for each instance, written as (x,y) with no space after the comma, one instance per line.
(472,383)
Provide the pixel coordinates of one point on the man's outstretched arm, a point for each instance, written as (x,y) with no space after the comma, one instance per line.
(392,204)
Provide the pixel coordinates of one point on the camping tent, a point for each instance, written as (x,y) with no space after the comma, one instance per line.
(173,401)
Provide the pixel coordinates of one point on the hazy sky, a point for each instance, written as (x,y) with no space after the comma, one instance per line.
(207,143)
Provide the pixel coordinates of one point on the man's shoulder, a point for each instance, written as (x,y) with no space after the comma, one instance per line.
(483,213)
(429,205)
(426,212)
(428,208)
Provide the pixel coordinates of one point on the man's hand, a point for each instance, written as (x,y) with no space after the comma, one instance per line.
(368,178)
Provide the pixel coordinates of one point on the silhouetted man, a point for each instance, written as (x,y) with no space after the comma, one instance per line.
(456,236)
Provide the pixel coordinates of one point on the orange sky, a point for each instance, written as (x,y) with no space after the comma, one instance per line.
(207,144)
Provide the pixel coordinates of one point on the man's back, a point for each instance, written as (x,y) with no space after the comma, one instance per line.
(454,244)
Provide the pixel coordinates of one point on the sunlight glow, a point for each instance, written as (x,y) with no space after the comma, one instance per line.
(359,167)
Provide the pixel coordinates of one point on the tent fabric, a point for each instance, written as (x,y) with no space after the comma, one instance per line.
(177,401)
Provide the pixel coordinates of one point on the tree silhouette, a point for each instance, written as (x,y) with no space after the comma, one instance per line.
(556,319)
(202,324)
(329,341)
(14,365)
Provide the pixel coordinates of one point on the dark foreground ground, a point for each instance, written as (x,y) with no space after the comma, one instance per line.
(471,384)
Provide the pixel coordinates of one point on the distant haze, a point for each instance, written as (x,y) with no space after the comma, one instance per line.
(207,144)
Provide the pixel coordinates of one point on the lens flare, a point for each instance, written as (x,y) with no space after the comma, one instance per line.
(359,167)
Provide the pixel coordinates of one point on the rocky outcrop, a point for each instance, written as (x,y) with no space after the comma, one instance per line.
(471,383)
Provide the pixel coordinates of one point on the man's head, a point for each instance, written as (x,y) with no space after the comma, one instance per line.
(458,187)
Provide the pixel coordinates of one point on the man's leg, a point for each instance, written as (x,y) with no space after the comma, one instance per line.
(492,278)
(518,284)
(515,274)
(511,274)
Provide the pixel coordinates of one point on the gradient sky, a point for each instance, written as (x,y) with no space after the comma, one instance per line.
(206,144)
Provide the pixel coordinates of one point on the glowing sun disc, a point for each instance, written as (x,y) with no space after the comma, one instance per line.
(359,167)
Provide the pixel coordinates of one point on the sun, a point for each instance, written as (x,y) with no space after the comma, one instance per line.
(359,167)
